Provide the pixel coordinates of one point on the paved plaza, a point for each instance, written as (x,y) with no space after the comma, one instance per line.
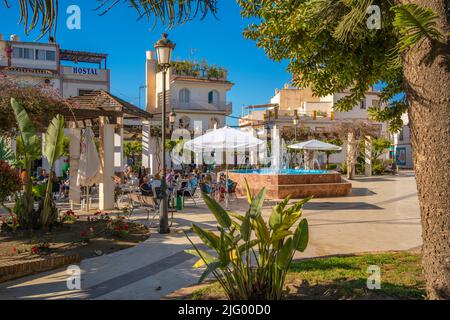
(381,214)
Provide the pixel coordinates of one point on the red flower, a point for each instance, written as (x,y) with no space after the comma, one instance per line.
(14,249)
(125,227)
(117,228)
(35,250)
(84,234)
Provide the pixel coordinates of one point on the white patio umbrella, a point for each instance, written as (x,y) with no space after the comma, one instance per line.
(89,169)
(223,139)
(315,145)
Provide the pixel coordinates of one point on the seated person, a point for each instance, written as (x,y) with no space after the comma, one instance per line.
(189,187)
(207,185)
(156,182)
(43,175)
(146,188)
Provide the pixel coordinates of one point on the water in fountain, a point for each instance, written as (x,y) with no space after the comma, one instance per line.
(315,161)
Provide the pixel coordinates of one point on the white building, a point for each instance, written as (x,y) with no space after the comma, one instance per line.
(317,114)
(70,73)
(402,145)
(196,93)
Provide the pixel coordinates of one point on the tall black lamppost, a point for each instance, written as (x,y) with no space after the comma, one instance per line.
(164,48)
(172,119)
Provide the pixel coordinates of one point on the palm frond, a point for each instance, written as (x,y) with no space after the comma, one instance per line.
(353,21)
(414,23)
(6,154)
(169,12)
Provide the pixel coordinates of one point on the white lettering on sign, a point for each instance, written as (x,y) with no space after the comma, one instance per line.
(90,71)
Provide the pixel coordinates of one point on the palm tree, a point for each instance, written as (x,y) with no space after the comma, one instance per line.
(170,12)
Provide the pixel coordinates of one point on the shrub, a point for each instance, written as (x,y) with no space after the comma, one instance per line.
(252,257)
(10,182)
(87,235)
(69,217)
(378,168)
(10,223)
(119,227)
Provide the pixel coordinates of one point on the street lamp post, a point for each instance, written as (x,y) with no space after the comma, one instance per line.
(164,48)
(172,118)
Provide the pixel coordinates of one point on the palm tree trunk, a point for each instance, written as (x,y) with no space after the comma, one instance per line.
(428,94)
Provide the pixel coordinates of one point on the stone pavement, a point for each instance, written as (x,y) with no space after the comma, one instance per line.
(381,214)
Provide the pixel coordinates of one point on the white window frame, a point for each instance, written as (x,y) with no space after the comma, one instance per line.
(184,96)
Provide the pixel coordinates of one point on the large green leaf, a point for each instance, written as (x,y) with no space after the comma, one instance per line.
(261,230)
(298,205)
(257,203)
(284,255)
(54,138)
(280,234)
(275,219)
(208,237)
(221,215)
(246,227)
(28,136)
(205,257)
(301,236)
(247,190)
(211,267)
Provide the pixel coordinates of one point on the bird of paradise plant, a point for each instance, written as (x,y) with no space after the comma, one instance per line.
(250,257)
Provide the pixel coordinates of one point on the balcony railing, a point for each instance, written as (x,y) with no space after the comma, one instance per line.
(220,107)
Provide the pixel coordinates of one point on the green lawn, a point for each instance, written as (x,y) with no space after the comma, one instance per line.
(346,278)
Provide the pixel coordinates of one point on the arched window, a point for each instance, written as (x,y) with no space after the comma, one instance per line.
(184,96)
(213,97)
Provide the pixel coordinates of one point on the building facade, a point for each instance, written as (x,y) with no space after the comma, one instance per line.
(196,93)
(70,73)
(316,114)
(403,146)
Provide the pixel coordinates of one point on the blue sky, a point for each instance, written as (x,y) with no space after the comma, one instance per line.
(118,34)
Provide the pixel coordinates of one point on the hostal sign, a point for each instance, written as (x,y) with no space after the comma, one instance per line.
(85,71)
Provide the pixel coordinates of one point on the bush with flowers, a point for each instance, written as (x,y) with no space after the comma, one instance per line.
(10,182)
(119,227)
(99,216)
(87,235)
(69,217)
(9,223)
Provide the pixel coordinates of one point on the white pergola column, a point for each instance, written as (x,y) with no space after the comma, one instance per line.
(150,149)
(74,149)
(351,152)
(106,190)
(368,156)
(119,161)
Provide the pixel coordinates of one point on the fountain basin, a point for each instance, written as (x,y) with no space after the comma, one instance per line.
(296,183)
